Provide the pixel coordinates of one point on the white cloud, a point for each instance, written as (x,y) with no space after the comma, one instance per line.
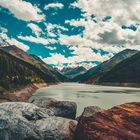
(22,10)
(38,40)
(12,41)
(54,5)
(74,40)
(81,55)
(54,29)
(35,29)
(18,44)
(122,11)
(107,36)
(56,59)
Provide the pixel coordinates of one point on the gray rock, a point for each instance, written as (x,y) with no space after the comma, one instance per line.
(27,110)
(57,128)
(64,109)
(15,127)
(91,110)
(25,121)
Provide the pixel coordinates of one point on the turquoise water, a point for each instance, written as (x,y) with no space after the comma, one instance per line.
(89,95)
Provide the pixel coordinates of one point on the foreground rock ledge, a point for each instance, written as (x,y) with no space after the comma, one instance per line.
(25,121)
(64,109)
(118,123)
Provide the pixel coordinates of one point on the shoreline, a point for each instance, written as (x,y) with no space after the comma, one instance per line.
(26,92)
(129,85)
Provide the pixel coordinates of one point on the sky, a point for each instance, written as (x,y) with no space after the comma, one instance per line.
(70,33)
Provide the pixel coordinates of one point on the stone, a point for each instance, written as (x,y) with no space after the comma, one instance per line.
(25,121)
(64,109)
(118,123)
(57,128)
(91,110)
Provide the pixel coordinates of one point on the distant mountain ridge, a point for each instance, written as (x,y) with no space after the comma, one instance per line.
(93,75)
(72,72)
(126,72)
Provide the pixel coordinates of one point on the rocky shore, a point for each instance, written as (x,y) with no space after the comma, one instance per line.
(25,93)
(44,118)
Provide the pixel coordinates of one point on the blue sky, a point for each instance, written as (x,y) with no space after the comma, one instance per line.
(73,32)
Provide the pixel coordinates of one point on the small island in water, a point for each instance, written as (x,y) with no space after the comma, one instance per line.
(69,70)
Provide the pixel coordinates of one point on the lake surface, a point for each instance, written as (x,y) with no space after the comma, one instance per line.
(90,95)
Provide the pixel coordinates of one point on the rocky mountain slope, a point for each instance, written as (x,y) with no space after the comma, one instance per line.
(16,73)
(34,60)
(93,75)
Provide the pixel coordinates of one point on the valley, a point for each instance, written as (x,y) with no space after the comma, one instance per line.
(69,70)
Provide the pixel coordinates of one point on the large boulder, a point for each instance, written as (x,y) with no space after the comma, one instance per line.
(16,127)
(27,110)
(118,123)
(64,109)
(25,121)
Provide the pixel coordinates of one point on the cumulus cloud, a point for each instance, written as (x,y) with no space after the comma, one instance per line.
(80,56)
(12,41)
(54,29)
(54,5)
(22,10)
(120,10)
(38,40)
(20,45)
(35,29)
(74,40)
(108,36)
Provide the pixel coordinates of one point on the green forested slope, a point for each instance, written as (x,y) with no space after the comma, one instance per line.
(15,73)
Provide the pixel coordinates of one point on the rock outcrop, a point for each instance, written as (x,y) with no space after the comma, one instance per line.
(64,109)
(25,121)
(118,123)
(90,111)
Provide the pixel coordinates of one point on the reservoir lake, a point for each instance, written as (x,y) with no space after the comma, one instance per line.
(90,95)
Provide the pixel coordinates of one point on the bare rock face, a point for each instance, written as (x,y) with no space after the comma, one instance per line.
(57,128)
(64,109)
(91,110)
(25,121)
(118,123)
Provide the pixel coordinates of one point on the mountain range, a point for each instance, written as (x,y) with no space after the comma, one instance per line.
(19,69)
(93,75)
(126,73)
(72,72)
